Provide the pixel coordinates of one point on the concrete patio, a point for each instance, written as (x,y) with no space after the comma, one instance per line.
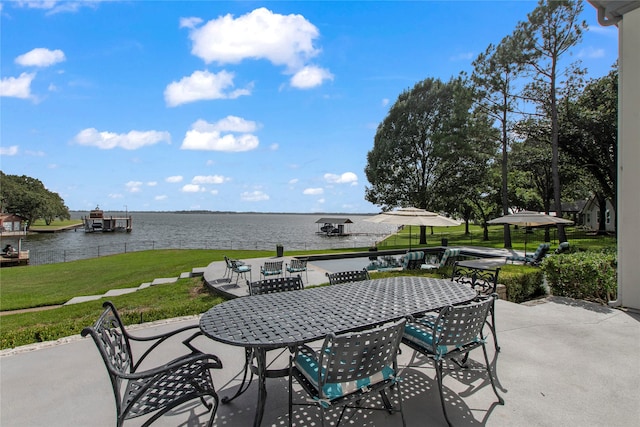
(563,362)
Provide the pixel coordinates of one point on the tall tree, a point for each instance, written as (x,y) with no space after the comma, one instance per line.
(28,197)
(495,74)
(589,133)
(552,29)
(421,145)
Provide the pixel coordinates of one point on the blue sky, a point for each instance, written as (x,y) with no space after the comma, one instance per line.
(240,106)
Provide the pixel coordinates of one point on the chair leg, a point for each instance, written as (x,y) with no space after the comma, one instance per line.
(290,392)
(493,384)
(492,325)
(213,411)
(438,364)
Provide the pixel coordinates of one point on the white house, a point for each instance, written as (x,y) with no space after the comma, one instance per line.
(590,215)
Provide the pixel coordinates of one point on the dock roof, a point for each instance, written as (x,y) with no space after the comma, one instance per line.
(334,221)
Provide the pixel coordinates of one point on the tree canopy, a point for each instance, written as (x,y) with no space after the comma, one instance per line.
(430,148)
(29,198)
(522,133)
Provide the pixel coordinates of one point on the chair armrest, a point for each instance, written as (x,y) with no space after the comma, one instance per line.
(160,338)
(209,361)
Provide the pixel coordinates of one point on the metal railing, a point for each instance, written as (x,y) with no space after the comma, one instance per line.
(39,257)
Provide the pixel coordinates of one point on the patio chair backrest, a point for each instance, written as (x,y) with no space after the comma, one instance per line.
(297,265)
(483,280)
(562,248)
(448,253)
(412,260)
(358,355)
(348,276)
(541,251)
(277,284)
(113,344)
(271,268)
(460,325)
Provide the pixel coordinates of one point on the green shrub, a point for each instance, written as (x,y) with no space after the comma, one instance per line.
(523,283)
(587,275)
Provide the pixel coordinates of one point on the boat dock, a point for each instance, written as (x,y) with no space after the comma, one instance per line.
(333,226)
(98,222)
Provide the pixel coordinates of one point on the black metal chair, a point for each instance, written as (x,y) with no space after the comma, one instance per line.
(456,331)
(275,284)
(155,390)
(348,276)
(348,368)
(297,265)
(485,282)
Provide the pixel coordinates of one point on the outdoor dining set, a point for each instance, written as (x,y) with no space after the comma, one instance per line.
(342,342)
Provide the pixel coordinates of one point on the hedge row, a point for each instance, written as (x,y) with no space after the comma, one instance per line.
(589,275)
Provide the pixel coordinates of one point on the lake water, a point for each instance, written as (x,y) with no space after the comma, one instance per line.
(161,230)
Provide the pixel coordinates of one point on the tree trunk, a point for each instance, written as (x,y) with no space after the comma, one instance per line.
(505,171)
(555,168)
(423,234)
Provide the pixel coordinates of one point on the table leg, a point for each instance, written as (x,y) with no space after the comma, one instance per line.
(261,361)
(243,387)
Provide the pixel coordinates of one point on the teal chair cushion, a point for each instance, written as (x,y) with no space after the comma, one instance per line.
(308,365)
(421,333)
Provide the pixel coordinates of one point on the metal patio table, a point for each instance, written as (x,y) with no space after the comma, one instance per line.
(287,319)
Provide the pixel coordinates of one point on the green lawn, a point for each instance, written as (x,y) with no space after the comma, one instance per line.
(457,237)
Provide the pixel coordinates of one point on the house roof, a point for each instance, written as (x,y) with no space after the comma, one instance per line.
(610,12)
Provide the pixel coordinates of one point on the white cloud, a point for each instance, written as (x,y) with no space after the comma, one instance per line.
(313,191)
(254,196)
(133,186)
(193,188)
(210,179)
(152,183)
(274,147)
(208,136)
(385,102)
(129,141)
(17,87)
(57,6)
(293,181)
(174,179)
(345,178)
(260,34)
(115,196)
(40,57)
(591,53)
(321,201)
(203,85)
(463,56)
(9,151)
(190,22)
(214,192)
(161,197)
(309,77)
(228,124)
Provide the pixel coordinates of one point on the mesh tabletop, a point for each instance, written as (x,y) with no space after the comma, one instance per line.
(295,317)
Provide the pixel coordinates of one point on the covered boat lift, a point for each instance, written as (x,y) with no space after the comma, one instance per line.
(333,226)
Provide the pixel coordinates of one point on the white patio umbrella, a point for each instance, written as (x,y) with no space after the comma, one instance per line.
(413,216)
(529,219)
